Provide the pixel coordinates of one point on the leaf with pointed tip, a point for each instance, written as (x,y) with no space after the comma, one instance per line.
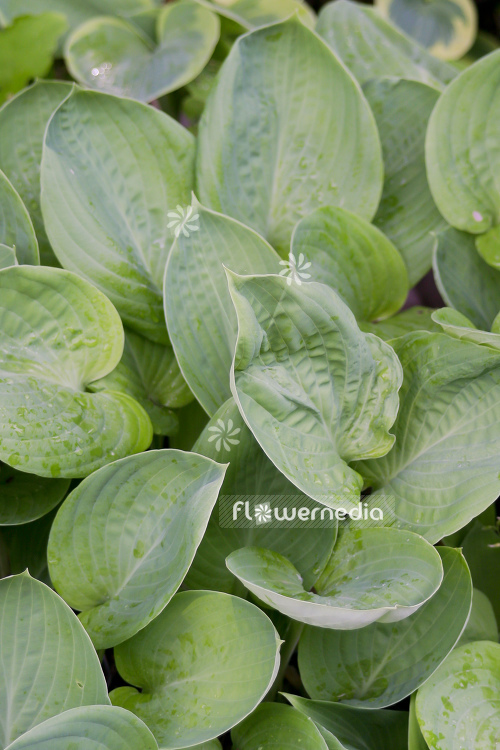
(269,171)
(408,321)
(355,727)
(7,256)
(16,230)
(111,170)
(58,333)
(407,213)
(459,706)
(186,35)
(23,120)
(316,392)
(189,663)
(373,575)
(200,317)
(443,469)
(482,623)
(124,539)
(373,48)
(26,497)
(48,661)
(458,326)
(274,726)
(481,549)
(354,258)
(382,663)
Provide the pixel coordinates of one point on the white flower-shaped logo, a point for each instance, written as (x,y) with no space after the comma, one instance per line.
(183,220)
(263,513)
(225,435)
(294,269)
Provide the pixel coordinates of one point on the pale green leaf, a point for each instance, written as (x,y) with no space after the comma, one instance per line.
(277,727)
(250,14)
(268,155)
(343,250)
(48,662)
(457,325)
(297,383)
(58,333)
(76,11)
(482,624)
(16,229)
(124,539)
(203,665)
(7,256)
(26,497)
(382,663)
(112,171)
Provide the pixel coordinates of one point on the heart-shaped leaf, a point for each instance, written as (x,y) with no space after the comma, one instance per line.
(189,663)
(26,497)
(458,706)
(306,156)
(382,663)
(201,321)
(125,537)
(48,662)
(117,167)
(58,333)
(353,257)
(373,575)
(16,229)
(315,391)
(115,56)
(278,727)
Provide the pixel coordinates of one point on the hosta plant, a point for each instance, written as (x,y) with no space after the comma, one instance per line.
(247,474)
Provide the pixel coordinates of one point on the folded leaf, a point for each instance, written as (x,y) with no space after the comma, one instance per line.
(278,727)
(189,663)
(382,663)
(112,170)
(26,497)
(268,155)
(58,333)
(458,326)
(315,391)
(16,229)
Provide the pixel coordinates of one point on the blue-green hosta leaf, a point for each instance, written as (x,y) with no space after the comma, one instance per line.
(463,278)
(407,213)
(250,14)
(447,28)
(26,497)
(482,552)
(274,726)
(149,373)
(58,333)
(372,48)
(112,171)
(443,469)
(382,663)
(125,537)
(200,317)
(48,662)
(352,256)
(414,319)
(203,665)
(354,727)
(27,49)
(16,229)
(76,11)
(23,120)
(463,157)
(457,325)
(89,728)
(252,476)
(268,155)
(316,392)
(482,624)
(115,56)
(459,707)
(373,575)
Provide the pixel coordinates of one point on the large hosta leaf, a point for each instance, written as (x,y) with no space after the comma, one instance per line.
(315,391)
(459,707)
(463,157)
(112,170)
(48,662)
(16,229)
(23,120)
(58,334)
(382,663)
(125,537)
(200,317)
(373,575)
(353,257)
(26,497)
(407,213)
(203,665)
(277,727)
(115,56)
(269,154)
(89,728)
(443,469)
(372,48)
